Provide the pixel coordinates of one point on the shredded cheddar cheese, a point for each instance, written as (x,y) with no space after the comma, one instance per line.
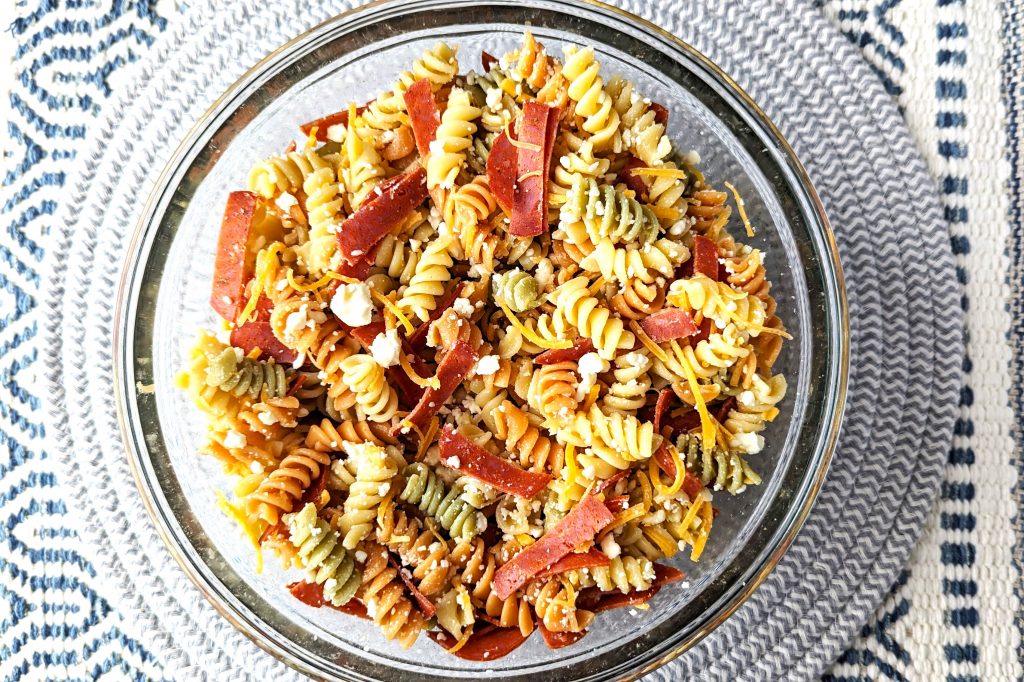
(422,382)
(395,310)
(666,212)
(266,268)
(530,335)
(707,517)
(676,173)
(742,208)
(235,512)
(428,437)
(466,634)
(707,424)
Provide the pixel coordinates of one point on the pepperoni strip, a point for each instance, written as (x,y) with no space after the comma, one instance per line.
(487,60)
(580,347)
(418,339)
(529,189)
(461,454)
(234,265)
(691,484)
(501,170)
(705,257)
(580,525)
(423,114)
(312,594)
(258,333)
(665,397)
(632,180)
(558,640)
(377,217)
(426,606)
(668,324)
(488,643)
(338,118)
(573,561)
(450,373)
(592,599)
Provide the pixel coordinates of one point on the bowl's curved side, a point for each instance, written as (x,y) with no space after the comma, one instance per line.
(164,210)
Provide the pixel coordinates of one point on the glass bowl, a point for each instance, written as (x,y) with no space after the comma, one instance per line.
(165,288)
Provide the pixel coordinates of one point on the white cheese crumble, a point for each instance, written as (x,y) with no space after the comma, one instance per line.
(750,443)
(386,348)
(487,365)
(352,304)
(286,201)
(590,365)
(234,440)
(453,462)
(296,321)
(463,307)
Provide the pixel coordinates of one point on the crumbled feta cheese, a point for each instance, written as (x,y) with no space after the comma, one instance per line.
(268,418)
(544,273)
(330,584)
(691,158)
(336,133)
(286,201)
(487,365)
(256,467)
(750,443)
(299,361)
(493,98)
(352,304)
(746,398)
(360,556)
(234,440)
(463,307)
(296,321)
(386,348)
(453,462)
(610,547)
(590,365)
(383,489)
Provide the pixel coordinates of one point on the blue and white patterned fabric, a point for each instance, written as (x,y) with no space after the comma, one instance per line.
(953,66)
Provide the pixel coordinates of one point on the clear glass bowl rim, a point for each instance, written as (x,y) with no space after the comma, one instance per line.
(836,319)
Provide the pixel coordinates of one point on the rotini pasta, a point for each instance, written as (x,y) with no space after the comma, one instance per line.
(440,356)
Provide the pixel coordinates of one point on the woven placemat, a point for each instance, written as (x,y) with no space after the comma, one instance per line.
(905,329)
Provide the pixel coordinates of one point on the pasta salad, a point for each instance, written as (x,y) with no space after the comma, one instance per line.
(488,352)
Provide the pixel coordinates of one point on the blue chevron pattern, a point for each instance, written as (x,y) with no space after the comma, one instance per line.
(54,621)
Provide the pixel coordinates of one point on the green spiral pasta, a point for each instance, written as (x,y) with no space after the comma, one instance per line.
(608,213)
(516,289)
(721,469)
(322,554)
(426,490)
(625,574)
(238,375)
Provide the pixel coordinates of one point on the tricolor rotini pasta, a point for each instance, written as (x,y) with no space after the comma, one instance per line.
(482,313)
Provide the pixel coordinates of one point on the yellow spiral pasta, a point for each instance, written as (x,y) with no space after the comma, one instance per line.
(324,205)
(586,89)
(374,469)
(284,173)
(437,64)
(453,137)
(375,399)
(432,273)
(384,595)
(535,349)
(593,320)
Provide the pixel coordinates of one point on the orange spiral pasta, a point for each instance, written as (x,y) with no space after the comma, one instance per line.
(491,297)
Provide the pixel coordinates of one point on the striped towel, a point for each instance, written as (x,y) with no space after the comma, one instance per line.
(955,68)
